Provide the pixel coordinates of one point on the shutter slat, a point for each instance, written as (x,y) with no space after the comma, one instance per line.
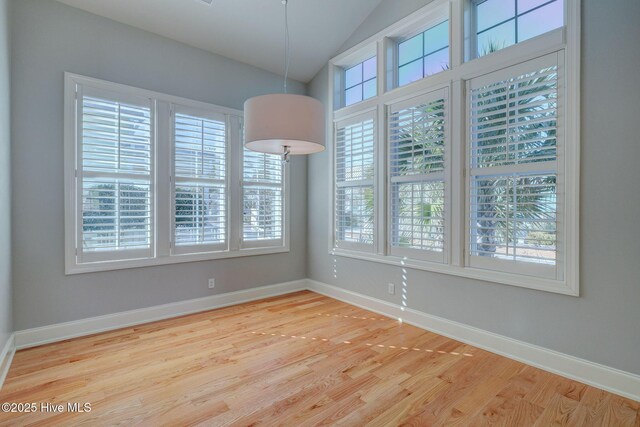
(417,146)
(115,180)
(116,137)
(116,214)
(354,173)
(524,115)
(513,145)
(262,197)
(200,170)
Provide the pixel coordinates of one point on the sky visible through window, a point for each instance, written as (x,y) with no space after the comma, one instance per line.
(502,23)
(360,81)
(424,54)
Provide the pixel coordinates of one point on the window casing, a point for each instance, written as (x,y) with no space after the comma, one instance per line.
(501,206)
(154,179)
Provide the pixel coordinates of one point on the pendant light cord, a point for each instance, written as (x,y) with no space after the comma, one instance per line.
(287,44)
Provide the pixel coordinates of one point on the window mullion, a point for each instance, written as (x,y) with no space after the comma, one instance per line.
(234,181)
(456,174)
(456,31)
(163,171)
(380,189)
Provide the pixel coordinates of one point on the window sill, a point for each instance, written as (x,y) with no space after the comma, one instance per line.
(91,267)
(565,287)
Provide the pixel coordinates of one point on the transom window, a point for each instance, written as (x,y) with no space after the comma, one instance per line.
(424,54)
(502,23)
(360,82)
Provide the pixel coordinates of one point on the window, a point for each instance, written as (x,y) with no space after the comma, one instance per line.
(354,192)
(464,165)
(360,81)
(502,23)
(424,54)
(514,141)
(417,164)
(114,176)
(154,179)
(262,199)
(199,181)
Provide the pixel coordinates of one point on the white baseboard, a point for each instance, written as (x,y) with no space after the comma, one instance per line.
(616,381)
(6,356)
(61,331)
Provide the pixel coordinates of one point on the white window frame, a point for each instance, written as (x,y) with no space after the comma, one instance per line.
(344,122)
(519,267)
(163,210)
(420,254)
(264,244)
(126,254)
(211,115)
(564,40)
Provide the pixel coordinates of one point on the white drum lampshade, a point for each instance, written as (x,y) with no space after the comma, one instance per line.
(281,123)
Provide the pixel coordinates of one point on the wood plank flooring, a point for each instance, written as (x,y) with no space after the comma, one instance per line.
(297,360)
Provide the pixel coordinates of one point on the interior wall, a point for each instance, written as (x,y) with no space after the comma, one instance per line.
(602,324)
(50,38)
(6,324)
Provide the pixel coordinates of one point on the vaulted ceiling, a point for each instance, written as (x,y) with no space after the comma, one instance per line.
(249,31)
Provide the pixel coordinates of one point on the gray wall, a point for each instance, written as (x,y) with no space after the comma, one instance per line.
(50,38)
(602,324)
(6,326)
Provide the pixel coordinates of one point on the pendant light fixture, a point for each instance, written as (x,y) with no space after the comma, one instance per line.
(283,123)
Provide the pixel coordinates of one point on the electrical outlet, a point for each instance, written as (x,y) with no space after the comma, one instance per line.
(212,283)
(392,289)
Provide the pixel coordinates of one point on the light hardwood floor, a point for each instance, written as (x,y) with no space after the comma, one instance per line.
(299,359)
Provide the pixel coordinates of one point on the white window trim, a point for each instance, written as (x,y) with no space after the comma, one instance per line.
(425,255)
(528,268)
(566,39)
(126,254)
(238,242)
(177,108)
(344,122)
(162,218)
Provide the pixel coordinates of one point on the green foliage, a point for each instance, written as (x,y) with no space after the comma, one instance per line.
(426,211)
(495,198)
(186,207)
(99,212)
(540,238)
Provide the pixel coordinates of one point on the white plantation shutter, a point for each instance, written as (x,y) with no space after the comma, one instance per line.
(354,182)
(199,181)
(515,177)
(155,179)
(417,165)
(114,176)
(263,201)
